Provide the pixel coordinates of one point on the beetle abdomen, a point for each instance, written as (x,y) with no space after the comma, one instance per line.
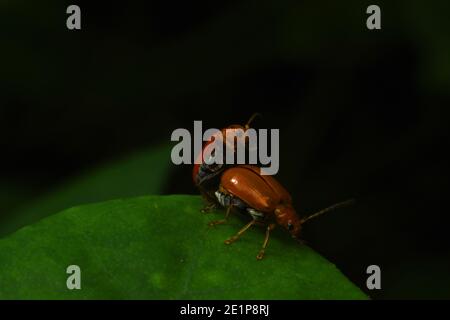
(227,200)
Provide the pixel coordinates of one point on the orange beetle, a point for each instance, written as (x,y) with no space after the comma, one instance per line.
(203,174)
(264,199)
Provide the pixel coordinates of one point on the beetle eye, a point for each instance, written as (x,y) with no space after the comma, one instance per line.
(290,226)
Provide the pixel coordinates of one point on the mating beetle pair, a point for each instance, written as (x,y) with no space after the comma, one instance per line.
(243,188)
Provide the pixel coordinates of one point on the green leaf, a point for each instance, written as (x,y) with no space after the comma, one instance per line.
(160,247)
(141,173)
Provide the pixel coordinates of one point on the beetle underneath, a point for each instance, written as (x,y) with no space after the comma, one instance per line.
(264,199)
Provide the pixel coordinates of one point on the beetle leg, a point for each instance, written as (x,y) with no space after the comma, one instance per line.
(207,208)
(240,232)
(222,221)
(210,203)
(269,228)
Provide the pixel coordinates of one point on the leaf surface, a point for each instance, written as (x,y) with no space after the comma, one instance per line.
(160,247)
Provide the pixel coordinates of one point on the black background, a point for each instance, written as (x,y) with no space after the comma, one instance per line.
(361,113)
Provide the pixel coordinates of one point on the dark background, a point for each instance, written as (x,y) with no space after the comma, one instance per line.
(361,113)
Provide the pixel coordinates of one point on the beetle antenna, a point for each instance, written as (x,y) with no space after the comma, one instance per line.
(330,208)
(256,114)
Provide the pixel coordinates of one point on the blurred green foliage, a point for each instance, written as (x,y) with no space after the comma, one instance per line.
(141,173)
(160,247)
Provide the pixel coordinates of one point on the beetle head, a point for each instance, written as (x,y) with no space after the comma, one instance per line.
(287,217)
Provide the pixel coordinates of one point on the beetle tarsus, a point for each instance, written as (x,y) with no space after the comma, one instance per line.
(208,208)
(231,240)
(260,254)
(216,222)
